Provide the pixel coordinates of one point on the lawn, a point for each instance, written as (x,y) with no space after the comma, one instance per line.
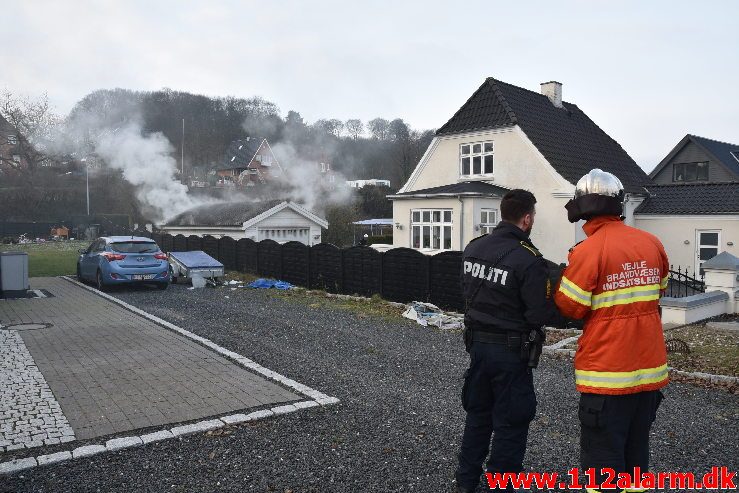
(53,258)
(711,350)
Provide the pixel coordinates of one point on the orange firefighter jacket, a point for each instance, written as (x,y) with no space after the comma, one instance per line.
(614,281)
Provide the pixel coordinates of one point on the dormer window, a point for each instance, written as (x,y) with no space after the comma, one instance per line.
(476,159)
(690,172)
(12,140)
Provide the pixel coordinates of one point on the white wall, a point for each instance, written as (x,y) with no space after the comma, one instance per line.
(287,219)
(674,231)
(517,164)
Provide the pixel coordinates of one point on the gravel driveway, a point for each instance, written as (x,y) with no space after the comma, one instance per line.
(399,422)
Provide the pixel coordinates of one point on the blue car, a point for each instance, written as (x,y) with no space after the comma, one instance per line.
(119,260)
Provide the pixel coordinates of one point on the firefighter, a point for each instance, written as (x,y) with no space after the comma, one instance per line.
(505,281)
(614,281)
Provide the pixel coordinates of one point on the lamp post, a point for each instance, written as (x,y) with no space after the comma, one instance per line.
(87,183)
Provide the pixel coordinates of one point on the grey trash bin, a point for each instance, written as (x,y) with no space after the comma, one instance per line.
(13,274)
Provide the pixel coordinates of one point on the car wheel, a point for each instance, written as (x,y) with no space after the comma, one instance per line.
(99,281)
(79,273)
(163,285)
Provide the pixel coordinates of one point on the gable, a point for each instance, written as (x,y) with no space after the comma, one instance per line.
(567,138)
(723,166)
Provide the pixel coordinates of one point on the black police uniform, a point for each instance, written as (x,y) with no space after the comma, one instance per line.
(506,285)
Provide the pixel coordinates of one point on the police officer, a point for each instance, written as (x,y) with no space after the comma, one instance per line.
(505,281)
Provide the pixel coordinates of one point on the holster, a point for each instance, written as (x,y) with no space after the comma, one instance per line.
(467,337)
(531,347)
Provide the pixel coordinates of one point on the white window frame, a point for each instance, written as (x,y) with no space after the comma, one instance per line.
(699,245)
(434,225)
(466,151)
(12,139)
(487,225)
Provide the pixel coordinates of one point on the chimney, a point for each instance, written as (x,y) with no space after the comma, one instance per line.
(553,90)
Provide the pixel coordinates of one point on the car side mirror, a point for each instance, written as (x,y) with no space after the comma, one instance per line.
(82,251)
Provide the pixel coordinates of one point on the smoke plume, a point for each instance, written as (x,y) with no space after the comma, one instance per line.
(145,162)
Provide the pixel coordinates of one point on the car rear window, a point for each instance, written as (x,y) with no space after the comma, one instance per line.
(135,247)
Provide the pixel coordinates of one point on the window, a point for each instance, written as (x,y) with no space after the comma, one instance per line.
(476,159)
(708,244)
(12,140)
(488,220)
(690,172)
(431,228)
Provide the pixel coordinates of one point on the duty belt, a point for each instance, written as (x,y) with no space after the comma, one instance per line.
(510,339)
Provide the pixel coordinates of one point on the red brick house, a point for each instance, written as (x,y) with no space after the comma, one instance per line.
(248,162)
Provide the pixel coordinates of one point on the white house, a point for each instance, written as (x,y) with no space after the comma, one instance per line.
(362,183)
(507,137)
(277,220)
(693,206)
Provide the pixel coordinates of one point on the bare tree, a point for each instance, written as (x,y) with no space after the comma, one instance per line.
(354,127)
(337,127)
(379,128)
(35,125)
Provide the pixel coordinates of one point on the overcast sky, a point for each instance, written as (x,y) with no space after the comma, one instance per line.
(646,72)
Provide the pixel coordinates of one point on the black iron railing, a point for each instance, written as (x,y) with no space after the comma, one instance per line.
(682,284)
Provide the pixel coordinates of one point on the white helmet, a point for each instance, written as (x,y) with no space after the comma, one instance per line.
(598,193)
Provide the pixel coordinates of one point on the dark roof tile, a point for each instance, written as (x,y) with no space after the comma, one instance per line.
(466,187)
(692,198)
(223,214)
(571,142)
(240,153)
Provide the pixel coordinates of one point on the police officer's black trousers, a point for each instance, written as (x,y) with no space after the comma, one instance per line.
(498,395)
(614,431)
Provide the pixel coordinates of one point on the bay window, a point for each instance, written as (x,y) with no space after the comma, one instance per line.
(431,228)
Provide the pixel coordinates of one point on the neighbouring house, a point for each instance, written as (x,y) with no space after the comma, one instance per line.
(277,220)
(248,162)
(694,205)
(698,159)
(507,137)
(12,156)
(362,183)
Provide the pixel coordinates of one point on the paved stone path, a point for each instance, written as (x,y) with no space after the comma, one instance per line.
(30,416)
(112,370)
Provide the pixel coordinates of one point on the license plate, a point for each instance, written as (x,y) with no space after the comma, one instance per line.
(142,277)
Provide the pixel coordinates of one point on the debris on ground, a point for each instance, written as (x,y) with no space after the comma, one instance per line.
(428,314)
(270,283)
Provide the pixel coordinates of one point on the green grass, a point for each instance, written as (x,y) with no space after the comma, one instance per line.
(53,258)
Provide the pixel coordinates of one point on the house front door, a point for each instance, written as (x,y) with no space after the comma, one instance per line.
(707,242)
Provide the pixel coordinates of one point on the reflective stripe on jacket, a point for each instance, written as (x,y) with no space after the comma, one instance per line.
(614,281)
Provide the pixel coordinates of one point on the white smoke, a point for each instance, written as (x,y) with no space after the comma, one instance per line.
(306,183)
(145,162)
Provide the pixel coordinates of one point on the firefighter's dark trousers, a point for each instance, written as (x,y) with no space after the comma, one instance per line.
(498,395)
(614,431)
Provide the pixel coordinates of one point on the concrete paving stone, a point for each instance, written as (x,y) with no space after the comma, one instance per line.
(260,414)
(289,408)
(17,465)
(124,442)
(327,401)
(53,458)
(87,450)
(199,427)
(305,404)
(234,419)
(156,436)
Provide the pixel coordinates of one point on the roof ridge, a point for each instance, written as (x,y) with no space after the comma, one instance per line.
(694,184)
(496,90)
(714,140)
